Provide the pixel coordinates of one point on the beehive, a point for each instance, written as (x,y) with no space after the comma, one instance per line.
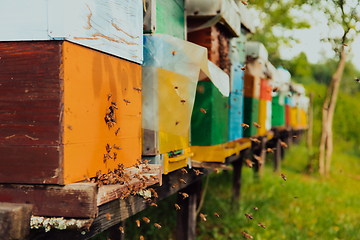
(251,115)
(54,101)
(210,128)
(265,107)
(165,16)
(278,111)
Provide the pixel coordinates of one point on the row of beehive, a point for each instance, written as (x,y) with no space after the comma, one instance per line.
(81,102)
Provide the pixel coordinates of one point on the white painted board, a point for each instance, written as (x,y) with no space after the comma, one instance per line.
(112,26)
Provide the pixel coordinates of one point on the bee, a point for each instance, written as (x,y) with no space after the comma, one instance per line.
(217,215)
(177,122)
(247,235)
(173,53)
(216,170)
(243,68)
(127,101)
(153,205)
(115,156)
(69,127)
(345,44)
(175,185)
(105,158)
(294,136)
(255,140)
(87,178)
(176,87)
(249,163)
(182,101)
(146,162)
(275,89)
(184,171)
(153,177)
(146,219)
(121,229)
(137,223)
(116,147)
(183,181)
(109,96)
(136,165)
(270,150)
(203,217)
(108,148)
(108,216)
(245,126)
(141,237)
(197,172)
(248,216)
(258,158)
(283,144)
(356,79)
(295,197)
(261,225)
(283,176)
(255,208)
(177,207)
(202,110)
(185,195)
(117,131)
(158,226)
(245,3)
(137,89)
(145,177)
(109,156)
(256,125)
(289,95)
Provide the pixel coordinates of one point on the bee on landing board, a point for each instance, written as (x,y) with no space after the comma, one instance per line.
(203,217)
(197,172)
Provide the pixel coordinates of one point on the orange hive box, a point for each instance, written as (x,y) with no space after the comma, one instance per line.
(54,98)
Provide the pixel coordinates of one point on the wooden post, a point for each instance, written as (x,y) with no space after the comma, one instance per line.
(114,233)
(277,155)
(186,216)
(14,220)
(260,151)
(236,187)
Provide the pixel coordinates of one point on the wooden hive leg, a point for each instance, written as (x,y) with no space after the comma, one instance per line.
(277,155)
(186,216)
(236,187)
(260,152)
(114,233)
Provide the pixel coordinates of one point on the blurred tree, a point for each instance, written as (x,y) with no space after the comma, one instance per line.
(341,14)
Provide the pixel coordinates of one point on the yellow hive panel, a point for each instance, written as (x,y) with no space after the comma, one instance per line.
(262,118)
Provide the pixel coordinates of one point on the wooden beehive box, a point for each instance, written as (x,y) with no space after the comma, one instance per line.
(278,111)
(265,107)
(210,128)
(251,115)
(54,102)
(165,16)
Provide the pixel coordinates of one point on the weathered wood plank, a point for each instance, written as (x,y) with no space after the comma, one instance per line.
(76,200)
(14,220)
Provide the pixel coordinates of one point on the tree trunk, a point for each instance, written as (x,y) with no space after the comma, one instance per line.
(328,115)
(310,130)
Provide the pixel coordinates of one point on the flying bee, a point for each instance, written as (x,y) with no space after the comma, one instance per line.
(255,208)
(137,222)
(249,163)
(121,229)
(283,176)
(283,144)
(203,217)
(248,216)
(177,122)
(256,125)
(244,2)
(217,215)
(261,225)
(173,53)
(185,195)
(294,136)
(243,68)
(158,226)
(356,79)
(216,170)
(345,44)
(153,205)
(255,140)
(175,185)
(176,87)
(117,131)
(177,207)
(182,101)
(137,89)
(244,125)
(108,216)
(146,219)
(146,162)
(247,235)
(197,172)
(184,171)
(183,181)
(202,110)
(141,237)
(259,159)
(275,89)
(270,150)
(127,101)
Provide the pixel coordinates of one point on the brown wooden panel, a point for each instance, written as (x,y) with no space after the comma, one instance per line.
(30,164)
(29,93)
(76,200)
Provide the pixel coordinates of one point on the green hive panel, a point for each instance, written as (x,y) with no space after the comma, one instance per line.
(210,128)
(251,114)
(278,113)
(170,18)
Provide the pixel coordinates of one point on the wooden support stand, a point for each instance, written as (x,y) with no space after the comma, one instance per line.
(277,155)
(260,151)
(114,233)
(14,220)
(236,187)
(186,216)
